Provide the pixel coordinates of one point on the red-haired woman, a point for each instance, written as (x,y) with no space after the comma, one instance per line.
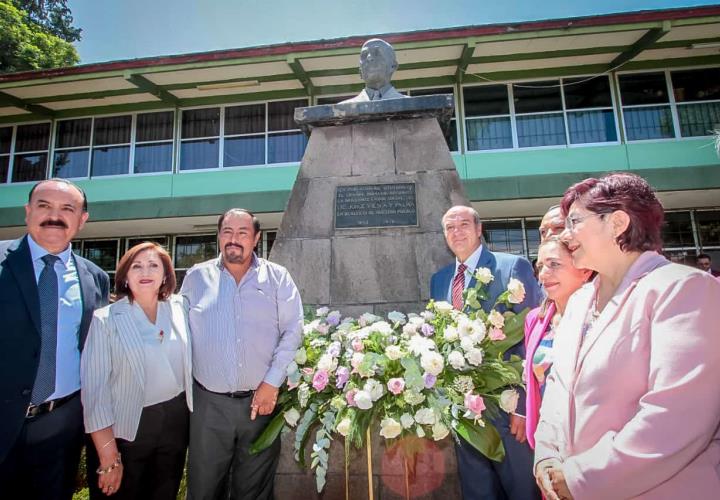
(631,406)
(136,380)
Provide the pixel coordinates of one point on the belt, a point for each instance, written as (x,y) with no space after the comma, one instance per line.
(48,406)
(234,394)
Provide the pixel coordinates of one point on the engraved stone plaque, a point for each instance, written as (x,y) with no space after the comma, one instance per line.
(375,205)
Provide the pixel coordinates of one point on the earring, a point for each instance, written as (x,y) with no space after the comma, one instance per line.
(163,281)
(126,284)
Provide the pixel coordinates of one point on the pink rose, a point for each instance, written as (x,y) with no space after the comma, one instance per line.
(292,385)
(496,334)
(396,385)
(357,345)
(474,403)
(308,371)
(350,397)
(320,380)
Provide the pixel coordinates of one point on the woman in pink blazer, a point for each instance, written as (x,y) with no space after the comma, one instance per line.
(560,279)
(632,405)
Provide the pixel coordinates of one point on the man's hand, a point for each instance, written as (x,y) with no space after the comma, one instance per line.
(264,400)
(544,480)
(517,427)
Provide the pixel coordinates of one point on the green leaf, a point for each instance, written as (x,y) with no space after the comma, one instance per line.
(471,298)
(413,376)
(514,330)
(485,439)
(269,434)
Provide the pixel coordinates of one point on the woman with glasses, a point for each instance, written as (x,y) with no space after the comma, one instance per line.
(631,407)
(560,279)
(136,382)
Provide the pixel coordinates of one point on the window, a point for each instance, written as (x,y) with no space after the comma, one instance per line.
(191,250)
(708,227)
(697,94)
(265,244)
(160,240)
(114,144)
(251,134)
(30,154)
(504,236)
(5,149)
(646,106)
(537,114)
(532,236)
(103,253)
(677,230)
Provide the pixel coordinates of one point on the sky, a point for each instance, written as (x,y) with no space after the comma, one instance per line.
(129,29)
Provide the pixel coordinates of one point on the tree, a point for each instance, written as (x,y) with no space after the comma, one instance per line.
(26,45)
(52,15)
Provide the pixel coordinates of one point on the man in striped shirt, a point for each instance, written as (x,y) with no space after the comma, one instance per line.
(246,321)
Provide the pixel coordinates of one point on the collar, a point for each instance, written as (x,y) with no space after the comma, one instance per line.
(37,252)
(382,91)
(472,261)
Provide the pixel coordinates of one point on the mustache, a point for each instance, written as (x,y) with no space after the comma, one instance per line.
(54,222)
(228,245)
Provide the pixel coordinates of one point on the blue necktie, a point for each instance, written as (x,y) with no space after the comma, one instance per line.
(48,294)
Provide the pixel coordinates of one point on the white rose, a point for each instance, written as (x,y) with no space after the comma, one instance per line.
(517,291)
(467,343)
(415,319)
(419,344)
(424,416)
(464,326)
(439,431)
(420,432)
(406,420)
(509,400)
(374,388)
(427,315)
(483,275)
(343,427)
(327,363)
(443,307)
(479,330)
(496,319)
(456,359)
(432,363)
(474,356)
(390,428)
(301,356)
(292,416)
(357,359)
(322,311)
(363,400)
(410,329)
(310,327)
(381,327)
(450,334)
(393,352)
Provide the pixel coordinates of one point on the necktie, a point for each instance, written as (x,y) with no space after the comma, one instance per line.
(458,286)
(48,295)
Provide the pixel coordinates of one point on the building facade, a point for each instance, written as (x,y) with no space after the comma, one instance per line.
(163,145)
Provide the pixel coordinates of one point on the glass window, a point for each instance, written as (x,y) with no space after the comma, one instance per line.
(191,250)
(154,142)
(537,97)
(654,122)
(643,88)
(287,145)
(697,93)
(586,123)
(72,148)
(504,236)
(646,108)
(334,99)
(31,152)
(5,145)
(244,135)
(677,230)
(584,93)
(160,240)
(540,130)
(4,168)
(532,235)
(546,129)
(487,112)
(200,154)
(281,115)
(708,226)
(103,253)
(111,146)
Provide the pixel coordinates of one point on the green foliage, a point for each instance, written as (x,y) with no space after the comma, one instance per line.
(269,434)
(25,45)
(485,439)
(53,16)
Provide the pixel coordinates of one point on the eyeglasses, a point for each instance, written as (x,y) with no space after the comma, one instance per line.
(572,221)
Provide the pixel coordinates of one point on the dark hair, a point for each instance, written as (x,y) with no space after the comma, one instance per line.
(255,221)
(62,181)
(629,193)
(702,256)
(168,286)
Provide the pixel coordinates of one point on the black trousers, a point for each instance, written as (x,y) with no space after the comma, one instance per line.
(43,462)
(153,463)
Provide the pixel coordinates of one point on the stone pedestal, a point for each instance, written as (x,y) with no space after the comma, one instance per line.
(376,267)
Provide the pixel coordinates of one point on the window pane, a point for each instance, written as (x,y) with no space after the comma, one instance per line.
(486,100)
(73,133)
(5,139)
(489,133)
(286,147)
(540,130)
(648,123)
(696,84)
(71,163)
(160,240)
(4,167)
(201,123)
(153,158)
(699,118)
(110,161)
(592,126)
(677,230)
(537,97)
(248,150)
(154,126)
(281,115)
(532,234)
(583,93)
(708,224)
(643,89)
(32,137)
(30,167)
(504,236)
(191,250)
(101,253)
(112,130)
(199,154)
(245,119)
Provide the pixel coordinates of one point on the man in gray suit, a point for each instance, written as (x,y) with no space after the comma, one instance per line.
(47,298)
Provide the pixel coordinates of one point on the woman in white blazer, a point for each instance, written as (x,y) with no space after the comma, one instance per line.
(136,381)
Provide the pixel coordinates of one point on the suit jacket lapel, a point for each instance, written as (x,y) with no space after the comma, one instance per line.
(19,261)
(129,337)
(87,292)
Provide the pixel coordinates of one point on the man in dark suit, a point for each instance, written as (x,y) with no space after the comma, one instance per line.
(47,298)
(480,477)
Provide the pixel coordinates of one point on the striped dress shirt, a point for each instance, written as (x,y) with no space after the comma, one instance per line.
(242,333)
